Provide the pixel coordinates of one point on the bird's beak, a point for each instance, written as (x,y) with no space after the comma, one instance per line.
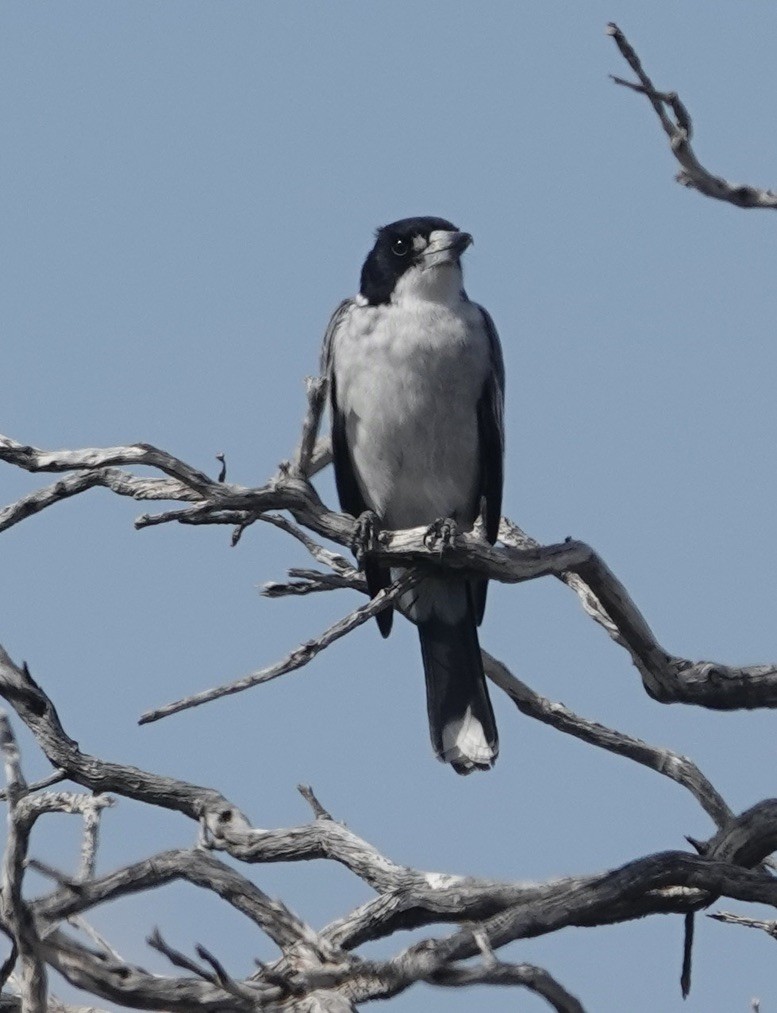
(445,247)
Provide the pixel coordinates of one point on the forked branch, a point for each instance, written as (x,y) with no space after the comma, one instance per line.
(666,677)
(678,127)
(321,970)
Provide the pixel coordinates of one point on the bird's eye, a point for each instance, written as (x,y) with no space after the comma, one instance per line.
(400,247)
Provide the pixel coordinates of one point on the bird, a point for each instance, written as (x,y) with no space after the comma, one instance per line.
(416,398)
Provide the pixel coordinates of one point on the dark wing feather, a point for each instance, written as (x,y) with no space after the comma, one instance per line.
(348,491)
(491,448)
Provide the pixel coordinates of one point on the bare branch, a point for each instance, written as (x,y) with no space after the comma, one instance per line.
(678,768)
(55,777)
(312,581)
(678,128)
(320,553)
(130,986)
(533,978)
(200,869)
(32,459)
(314,967)
(667,678)
(37,711)
(117,481)
(15,912)
(300,656)
(769,927)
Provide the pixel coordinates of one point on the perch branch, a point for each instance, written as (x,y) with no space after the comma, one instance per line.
(666,677)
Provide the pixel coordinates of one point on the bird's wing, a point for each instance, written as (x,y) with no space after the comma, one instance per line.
(491,440)
(348,491)
(327,346)
(491,433)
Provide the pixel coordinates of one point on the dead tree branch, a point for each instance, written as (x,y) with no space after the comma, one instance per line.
(321,970)
(666,677)
(299,656)
(13,908)
(769,927)
(676,123)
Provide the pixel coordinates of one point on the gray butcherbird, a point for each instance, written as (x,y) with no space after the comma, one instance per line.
(416,386)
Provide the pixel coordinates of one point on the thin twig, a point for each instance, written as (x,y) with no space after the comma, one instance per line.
(300,656)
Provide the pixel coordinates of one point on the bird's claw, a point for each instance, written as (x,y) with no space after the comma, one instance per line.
(440,534)
(365,535)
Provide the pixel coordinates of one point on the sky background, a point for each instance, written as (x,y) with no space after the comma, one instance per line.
(187,190)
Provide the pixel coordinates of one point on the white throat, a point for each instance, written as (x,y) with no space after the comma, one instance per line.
(441,283)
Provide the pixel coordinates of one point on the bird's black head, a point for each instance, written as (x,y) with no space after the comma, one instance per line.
(409,243)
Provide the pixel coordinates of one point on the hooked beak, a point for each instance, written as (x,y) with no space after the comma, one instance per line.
(445,247)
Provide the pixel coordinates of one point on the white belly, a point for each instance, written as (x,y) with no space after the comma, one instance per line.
(408,383)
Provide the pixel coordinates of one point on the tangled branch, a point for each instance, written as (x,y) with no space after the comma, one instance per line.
(321,969)
(666,677)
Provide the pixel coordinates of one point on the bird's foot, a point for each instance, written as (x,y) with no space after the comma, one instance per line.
(440,534)
(365,535)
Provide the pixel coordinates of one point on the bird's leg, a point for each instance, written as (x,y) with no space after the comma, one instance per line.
(365,535)
(440,534)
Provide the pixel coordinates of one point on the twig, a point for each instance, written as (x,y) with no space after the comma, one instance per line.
(89,930)
(318,810)
(320,553)
(299,657)
(217,976)
(56,777)
(311,582)
(769,927)
(679,131)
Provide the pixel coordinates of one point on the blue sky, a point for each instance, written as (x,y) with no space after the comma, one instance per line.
(187,191)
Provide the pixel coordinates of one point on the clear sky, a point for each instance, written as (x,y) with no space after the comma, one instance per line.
(186,192)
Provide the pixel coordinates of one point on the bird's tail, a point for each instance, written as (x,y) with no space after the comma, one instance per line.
(461,720)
